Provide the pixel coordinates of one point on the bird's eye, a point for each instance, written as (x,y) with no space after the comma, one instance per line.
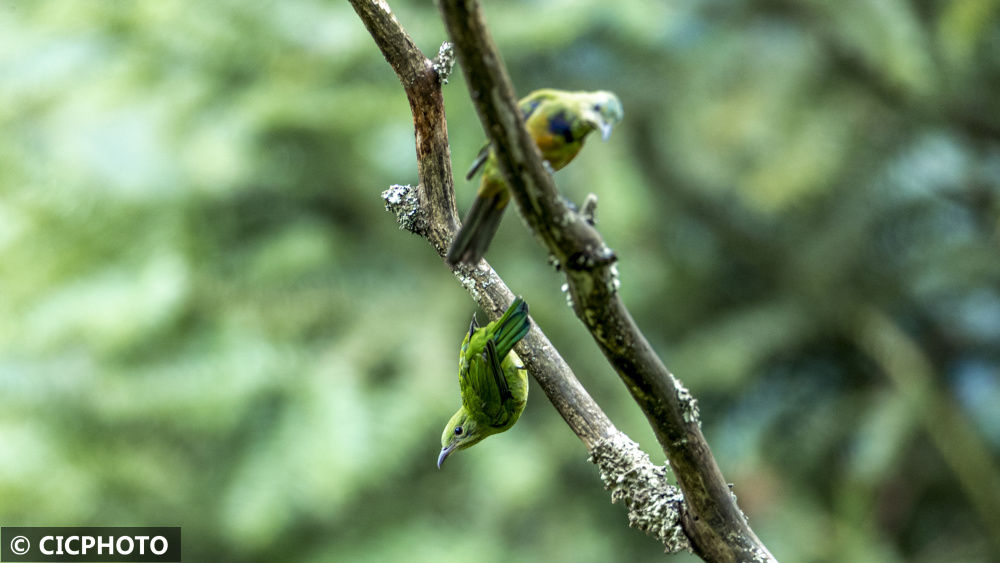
(458,430)
(597,107)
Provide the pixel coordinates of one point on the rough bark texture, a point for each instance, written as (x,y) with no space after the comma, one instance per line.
(429,211)
(712,524)
(717,528)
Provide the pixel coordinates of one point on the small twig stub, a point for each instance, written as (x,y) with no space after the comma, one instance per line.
(444,62)
(404,203)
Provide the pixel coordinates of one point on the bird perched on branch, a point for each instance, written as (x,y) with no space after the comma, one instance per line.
(559,122)
(493,382)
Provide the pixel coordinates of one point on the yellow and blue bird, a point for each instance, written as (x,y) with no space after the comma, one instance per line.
(559,122)
(493,382)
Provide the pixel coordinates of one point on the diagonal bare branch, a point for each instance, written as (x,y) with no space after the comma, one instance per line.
(429,210)
(716,526)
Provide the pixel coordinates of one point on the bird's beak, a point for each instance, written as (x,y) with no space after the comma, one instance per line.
(605,128)
(445,452)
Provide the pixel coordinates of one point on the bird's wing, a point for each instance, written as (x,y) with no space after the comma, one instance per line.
(530,103)
(527,105)
(482,393)
(493,361)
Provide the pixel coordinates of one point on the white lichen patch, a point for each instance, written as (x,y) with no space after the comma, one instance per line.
(385,8)
(654,505)
(403,202)
(395,195)
(444,62)
(688,403)
(569,296)
(467,278)
(614,282)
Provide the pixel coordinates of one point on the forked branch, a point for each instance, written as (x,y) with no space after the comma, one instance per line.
(712,523)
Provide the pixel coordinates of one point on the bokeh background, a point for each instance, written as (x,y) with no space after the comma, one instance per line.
(207,319)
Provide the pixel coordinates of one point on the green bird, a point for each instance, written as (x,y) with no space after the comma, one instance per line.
(559,122)
(493,382)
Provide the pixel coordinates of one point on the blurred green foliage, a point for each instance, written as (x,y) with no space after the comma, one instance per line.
(208,320)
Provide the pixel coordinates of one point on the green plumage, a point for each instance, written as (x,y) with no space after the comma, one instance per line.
(493,383)
(559,122)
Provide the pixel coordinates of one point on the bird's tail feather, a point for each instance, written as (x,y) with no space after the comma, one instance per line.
(477,230)
(512,327)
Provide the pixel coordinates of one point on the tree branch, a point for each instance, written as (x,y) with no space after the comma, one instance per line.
(437,219)
(654,506)
(717,528)
(429,210)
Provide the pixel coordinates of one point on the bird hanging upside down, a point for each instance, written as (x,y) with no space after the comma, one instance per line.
(559,121)
(494,385)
